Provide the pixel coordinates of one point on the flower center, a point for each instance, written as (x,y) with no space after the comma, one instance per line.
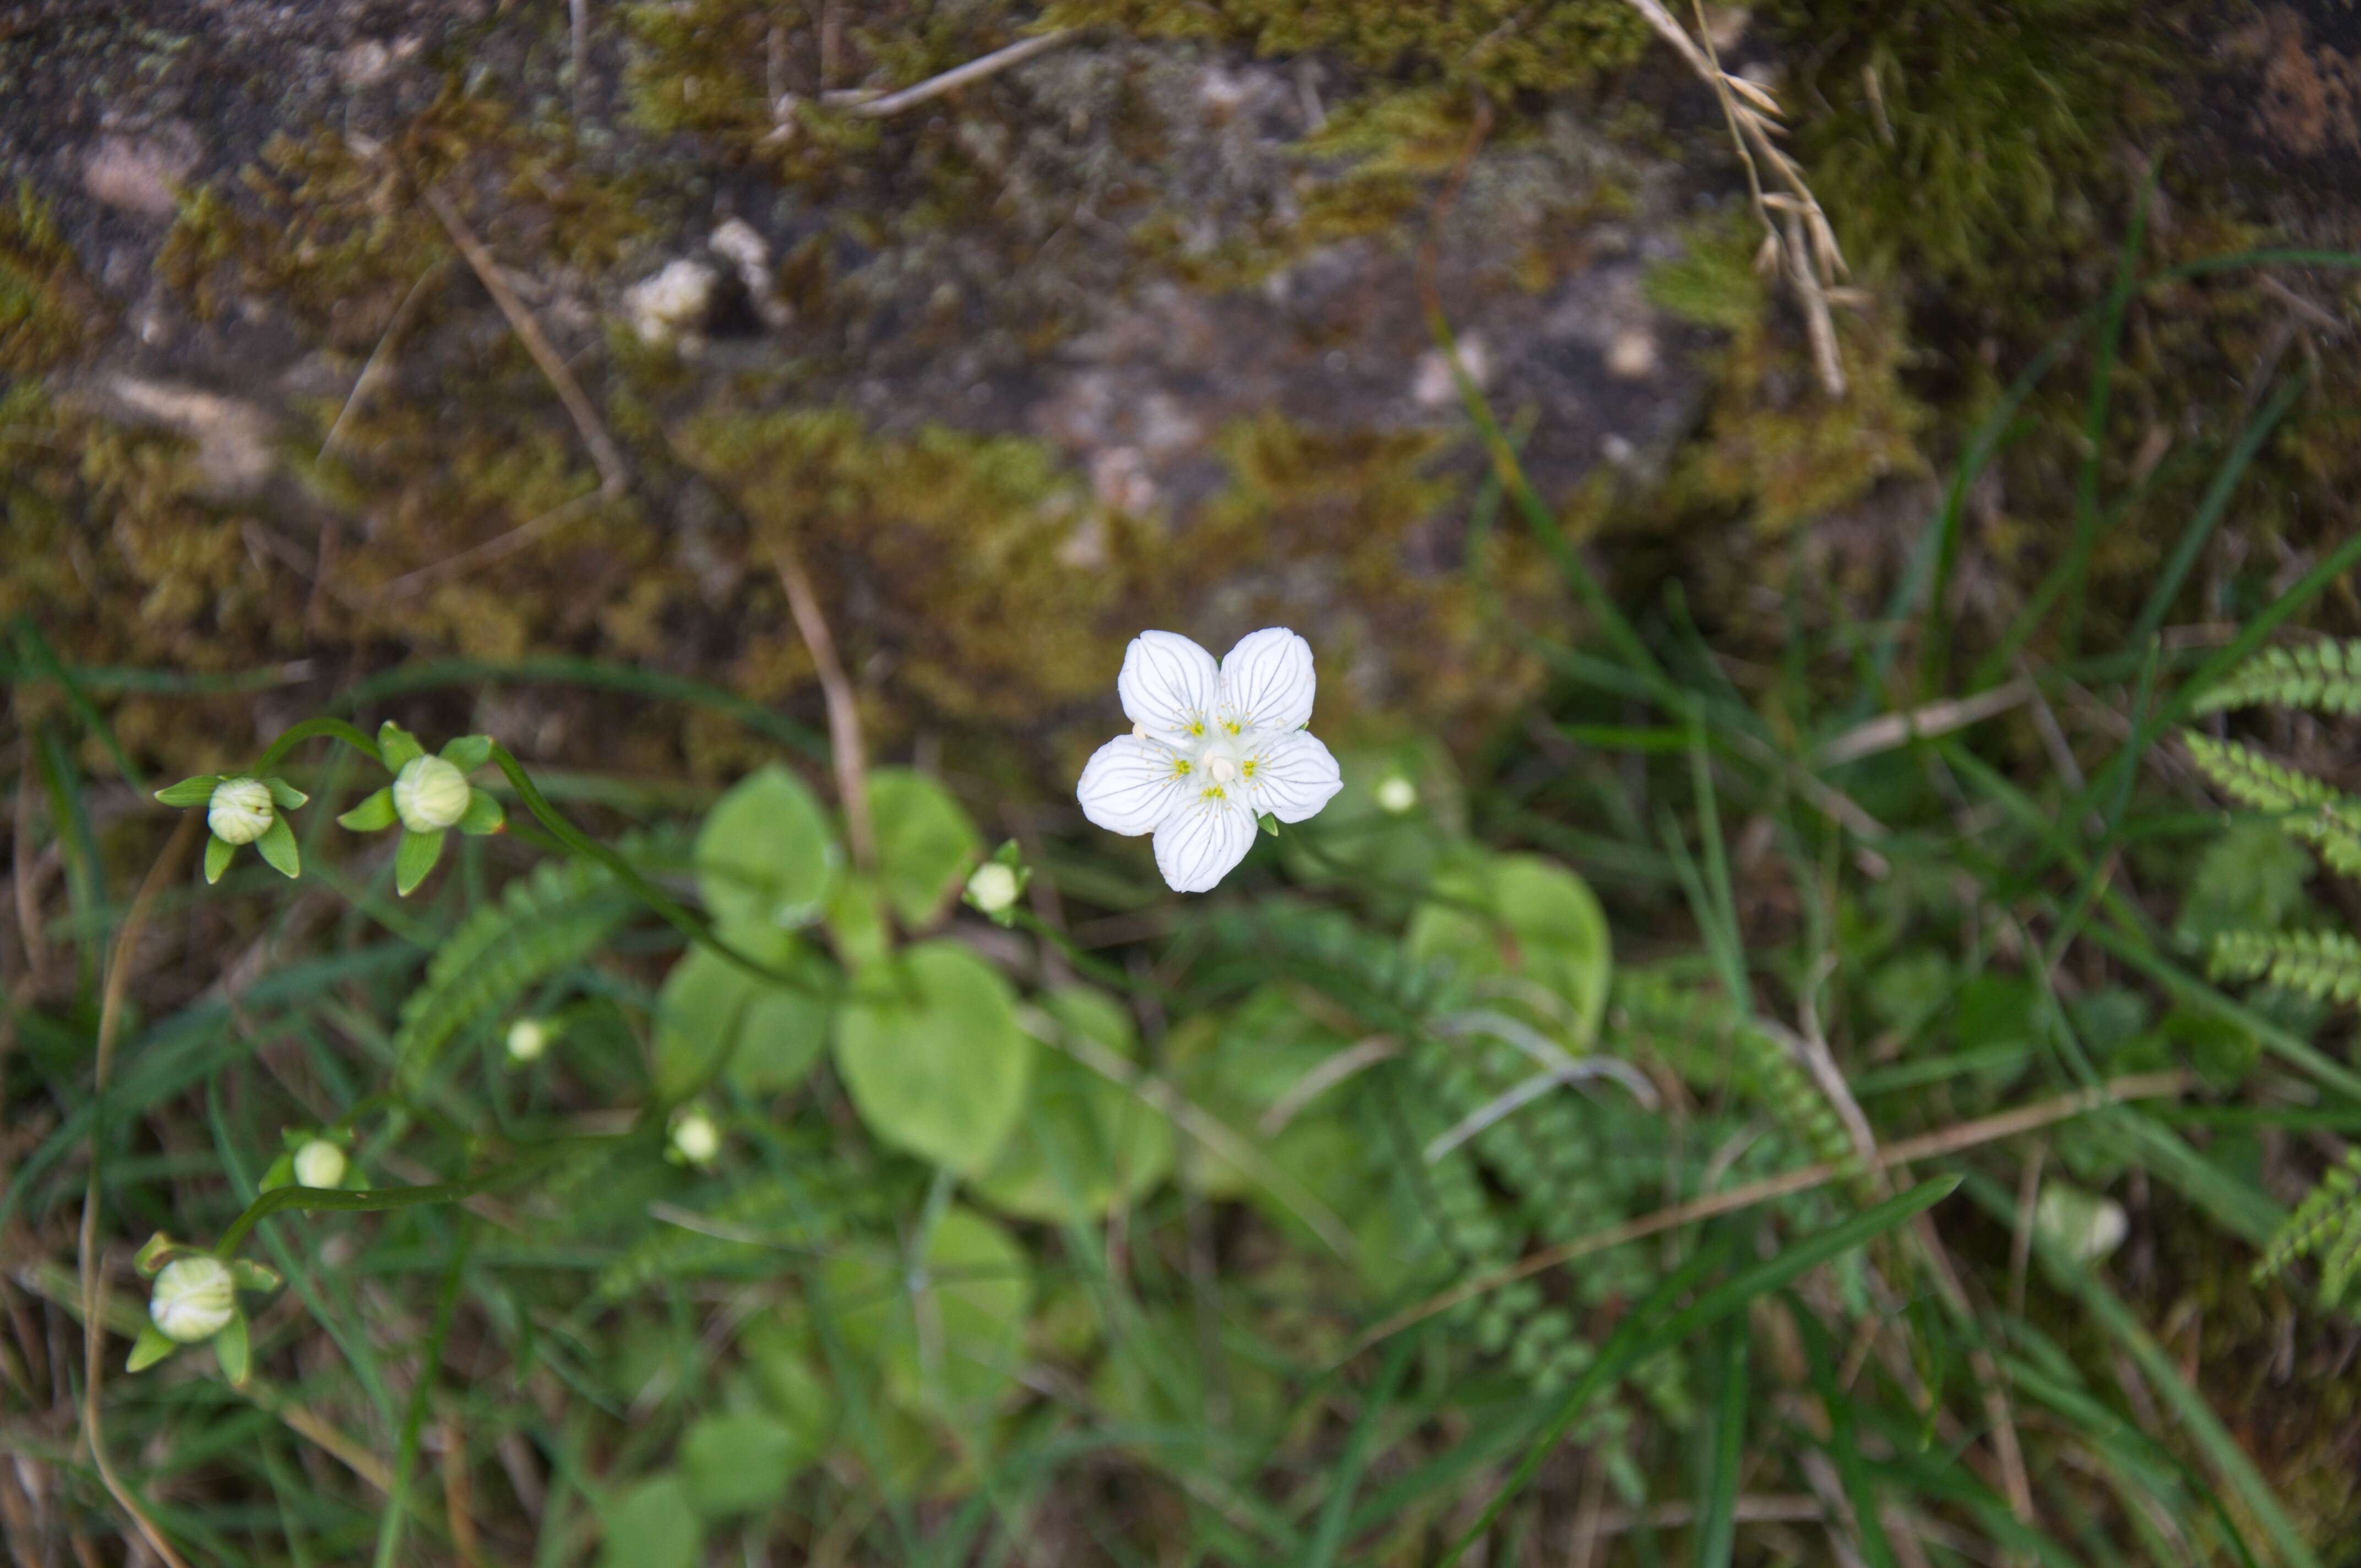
(1219,755)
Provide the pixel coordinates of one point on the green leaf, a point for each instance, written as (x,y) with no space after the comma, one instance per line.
(654,1525)
(235,1350)
(1356,835)
(397,747)
(197,791)
(708,1006)
(856,922)
(929,1048)
(217,854)
(764,854)
(797,1395)
(467,752)
(287,797)
(972,1291)
(414,858)
(373,815)
(1520,915)
(149,1348)
(738,1463)
(1082,1145)
(484,815)
(277,847)
(926,843)
(252,1275)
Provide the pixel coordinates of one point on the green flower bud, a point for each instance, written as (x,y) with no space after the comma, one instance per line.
(240,810)
(319,1164)
(430,794)
(1396,793)
(2084,1224)
(993,887)
(528,1039)
(695,1139)
(194,1299)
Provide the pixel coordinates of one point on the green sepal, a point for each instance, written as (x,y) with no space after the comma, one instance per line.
(416,857)
(1270,824)
(277,847)
(217,854)
(281,1174)
(149,1348)
(235,1350)
(190,791)
(372,815)
(1009,855)
(154,1255)
(252,1275)
(287,797)
(467,752)
(484,815)
(397,747)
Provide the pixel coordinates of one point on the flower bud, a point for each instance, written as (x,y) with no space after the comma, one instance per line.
(240,810)
(194,1299)
(695,1139)
(319,1164)
(528,1039)
(1396,793)
(429,794)
(2084,1224)
(993,887)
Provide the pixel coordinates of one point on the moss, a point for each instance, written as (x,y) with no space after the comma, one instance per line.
(337,233)
(1974,141)
(1501,46)
(972,572)
(45,305)
(1773,448)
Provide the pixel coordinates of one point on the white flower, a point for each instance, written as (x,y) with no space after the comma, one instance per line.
(240,810)
(1211,749)
(429,794)
(993,887)
(527,1039)
(193,1300)
(319,1164)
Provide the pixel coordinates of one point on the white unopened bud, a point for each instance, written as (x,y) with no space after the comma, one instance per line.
(993,887)
(527,1039)
(193,1300)
(2083,1224)
(429,794)
(1396,793)
(240,810)
(319,1164)
(694,1138)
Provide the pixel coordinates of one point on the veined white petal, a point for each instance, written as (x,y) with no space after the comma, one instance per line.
(1291,775)
(1267,679)
(1131,785)
(1198,845)
(1168,685)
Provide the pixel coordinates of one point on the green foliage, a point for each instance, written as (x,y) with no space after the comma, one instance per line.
(2325,965)
(653,1525)
(926,843)
(2326,1225)
(928,1045)
(2324,676)
(2307,807)
(766,855)
(543,924)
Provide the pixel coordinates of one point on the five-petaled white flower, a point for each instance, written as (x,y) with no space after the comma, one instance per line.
(1211,749)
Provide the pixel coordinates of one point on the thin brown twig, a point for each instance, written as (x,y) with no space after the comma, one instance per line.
(604,454)
(110,1023)
(1930,1146)
(844,709)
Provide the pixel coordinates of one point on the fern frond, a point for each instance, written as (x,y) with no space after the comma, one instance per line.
(1704,1039)
(2251,779)
(2324,965)
(2326,1223)
(540,924)
(2324,676)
